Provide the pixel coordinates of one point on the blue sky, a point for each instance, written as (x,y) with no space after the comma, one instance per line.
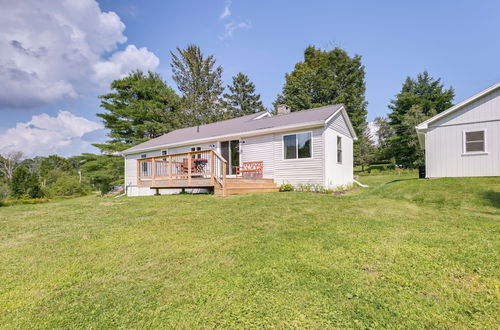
(455,40)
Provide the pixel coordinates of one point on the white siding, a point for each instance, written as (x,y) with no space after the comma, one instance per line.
(444,155)
(269,149)
(337,123)
(338,174)
(486,108)
(259,148)
(299,171)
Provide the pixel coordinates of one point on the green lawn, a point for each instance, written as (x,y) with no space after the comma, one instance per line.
(404,253)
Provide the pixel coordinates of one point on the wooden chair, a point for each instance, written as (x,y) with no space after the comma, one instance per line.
(250,169)
(185,166)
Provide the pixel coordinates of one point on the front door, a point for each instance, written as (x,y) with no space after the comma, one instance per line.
(230,150)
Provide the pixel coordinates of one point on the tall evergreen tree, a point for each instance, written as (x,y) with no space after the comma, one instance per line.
(140,107)
(199,80)
(242,99)
(328,77)
(431,97)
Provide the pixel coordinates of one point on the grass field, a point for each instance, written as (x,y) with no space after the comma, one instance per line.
(404,253)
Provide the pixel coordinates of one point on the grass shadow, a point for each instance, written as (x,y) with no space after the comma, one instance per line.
(398,180)
(493,197)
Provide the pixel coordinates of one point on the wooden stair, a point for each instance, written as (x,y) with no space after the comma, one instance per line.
(237,186)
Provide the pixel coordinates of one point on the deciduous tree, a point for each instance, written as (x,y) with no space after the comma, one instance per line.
(328,77)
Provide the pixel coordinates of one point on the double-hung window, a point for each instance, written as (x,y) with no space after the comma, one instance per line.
(195,149)
(474,142)
(297,145)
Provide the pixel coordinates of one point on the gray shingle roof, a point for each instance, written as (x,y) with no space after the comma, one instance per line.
(236,126)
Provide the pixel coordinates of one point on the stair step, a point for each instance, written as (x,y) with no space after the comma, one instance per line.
(233,191)
(251,185)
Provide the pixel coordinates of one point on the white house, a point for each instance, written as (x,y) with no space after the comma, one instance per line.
(253,153)
(464,140)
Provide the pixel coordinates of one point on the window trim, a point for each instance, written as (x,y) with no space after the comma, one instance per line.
(297,150)
(473,153)
(197,148)
(341,149)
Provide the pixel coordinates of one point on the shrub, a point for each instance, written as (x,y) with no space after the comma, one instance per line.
(287,187)
(4,191)
(25,184)
(67,185)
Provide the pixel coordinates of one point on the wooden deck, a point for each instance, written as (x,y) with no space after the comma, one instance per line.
(197,169)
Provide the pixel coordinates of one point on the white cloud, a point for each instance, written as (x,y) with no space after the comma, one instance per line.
(43,135)
(122,62)
(54,49)
(231,27)
(227,10)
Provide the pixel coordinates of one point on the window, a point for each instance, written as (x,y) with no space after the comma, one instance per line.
(164,152)
(143,156)
(474,142)
(339,150)
(146,168)
(195,149)
(297,146)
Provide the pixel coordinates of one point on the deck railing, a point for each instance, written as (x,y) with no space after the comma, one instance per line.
(189,169)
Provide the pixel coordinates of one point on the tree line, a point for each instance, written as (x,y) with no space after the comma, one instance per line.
(142,106)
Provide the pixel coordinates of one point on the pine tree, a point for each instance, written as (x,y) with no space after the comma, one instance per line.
(328,77)
(242,99)
(431,97)
(199,80)
(140,107)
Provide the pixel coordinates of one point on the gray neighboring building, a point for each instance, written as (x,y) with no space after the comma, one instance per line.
(464,141)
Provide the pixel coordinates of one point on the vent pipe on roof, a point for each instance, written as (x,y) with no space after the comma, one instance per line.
(283,109)
(198,129)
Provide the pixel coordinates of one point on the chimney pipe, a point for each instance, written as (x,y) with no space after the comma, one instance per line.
(283,109)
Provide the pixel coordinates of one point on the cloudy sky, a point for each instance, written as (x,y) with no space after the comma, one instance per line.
(57,56)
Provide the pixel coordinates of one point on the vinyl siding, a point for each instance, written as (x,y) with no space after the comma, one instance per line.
(299,171)
(259,148)
(338,174)
(444,141)
(338,124)
(444,155)
(486,108)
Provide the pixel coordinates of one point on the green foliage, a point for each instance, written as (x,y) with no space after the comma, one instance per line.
(103,171)
(63,184)
(384,133)
(242,99)
(329,77)
(200,82)
(140,107)
(419,98)
(364,148)
(4,190)
(25,184)
(287,187)
(54,162)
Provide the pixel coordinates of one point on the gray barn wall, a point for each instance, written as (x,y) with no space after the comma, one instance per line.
(444,153)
